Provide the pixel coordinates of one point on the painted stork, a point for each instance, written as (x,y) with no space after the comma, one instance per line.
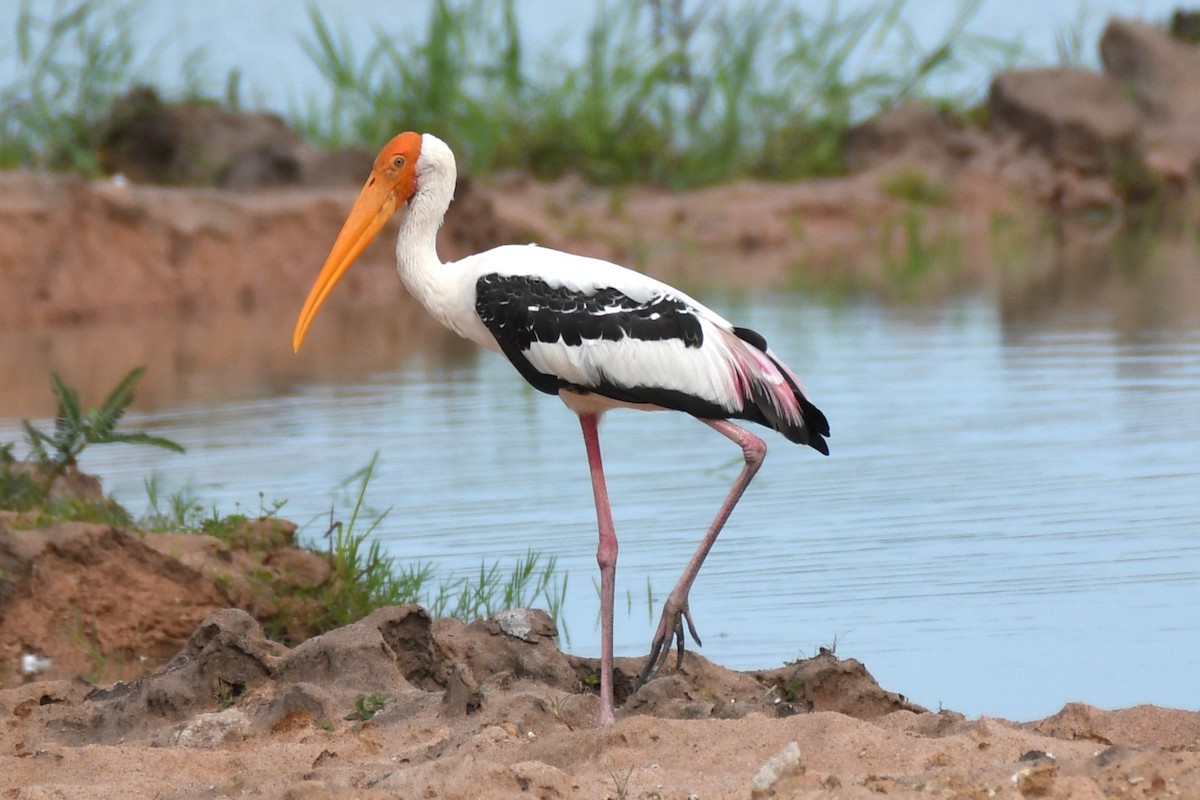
(596,334)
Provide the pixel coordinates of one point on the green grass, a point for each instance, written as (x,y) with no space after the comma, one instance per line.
(32,486)
(367,706)
(915,186)
(675,94)
(74,429)
(366,578)
(663,93)
(363,576)
(912,254)
(75,58)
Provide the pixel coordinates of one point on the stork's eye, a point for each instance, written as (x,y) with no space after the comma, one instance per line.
(398,162)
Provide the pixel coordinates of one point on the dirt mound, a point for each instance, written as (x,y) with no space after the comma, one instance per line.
(84,599)
(399,705)
(505,668)
(93,600)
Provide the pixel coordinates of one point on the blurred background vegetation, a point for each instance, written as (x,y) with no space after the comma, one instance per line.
(671,93)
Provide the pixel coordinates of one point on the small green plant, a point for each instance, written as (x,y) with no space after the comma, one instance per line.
(25,489)
(363,578)
(183,511)
(73,59)
(224,583)
(323,724)
(88,640)
(557,706)
(789,691)
(368,706)
(366,578)
(226,692)
(621,782)
(915,186)
(1070,40)
(19,489)
(74,430)
(31,487)
(529,581)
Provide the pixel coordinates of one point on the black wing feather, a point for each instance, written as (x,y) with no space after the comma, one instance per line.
(520,310)
(526,309)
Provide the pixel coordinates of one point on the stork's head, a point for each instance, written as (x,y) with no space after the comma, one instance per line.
(392,183)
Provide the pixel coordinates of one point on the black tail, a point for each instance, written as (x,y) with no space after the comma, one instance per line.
(761,409)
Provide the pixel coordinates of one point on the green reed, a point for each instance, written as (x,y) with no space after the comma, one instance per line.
(662,93)
(74,59)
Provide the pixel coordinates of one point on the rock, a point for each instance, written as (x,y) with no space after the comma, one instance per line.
(226,656)
(1156,69)
(670,697)
(1036,781)
(408,631)
(1159,73)
(355,657)
(230,646)
(311,700)
(197,144)
(785,762)
(912,131)
(463,694)
(212,730)
(492,655)
(527,624)
(1077,119)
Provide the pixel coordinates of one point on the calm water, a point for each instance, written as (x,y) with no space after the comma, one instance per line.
(1008,520)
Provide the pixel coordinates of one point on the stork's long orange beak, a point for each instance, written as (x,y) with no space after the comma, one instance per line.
(392,183)
(374,206)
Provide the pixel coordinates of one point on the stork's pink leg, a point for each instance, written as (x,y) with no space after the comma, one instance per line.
(675,610)
(606,557)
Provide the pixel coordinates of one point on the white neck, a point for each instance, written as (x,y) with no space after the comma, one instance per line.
(416,246)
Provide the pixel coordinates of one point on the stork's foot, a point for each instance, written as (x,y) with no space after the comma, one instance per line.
(670,626)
